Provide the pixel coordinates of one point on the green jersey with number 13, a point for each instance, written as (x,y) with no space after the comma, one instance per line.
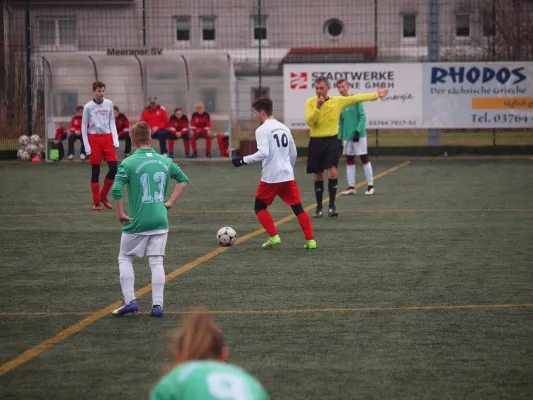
(146,175)
(208,380)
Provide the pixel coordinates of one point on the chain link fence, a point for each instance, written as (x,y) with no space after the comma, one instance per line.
(228,53)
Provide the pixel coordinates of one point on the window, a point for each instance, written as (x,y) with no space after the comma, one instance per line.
(209,97)
(265,92)
(208,29)
(259,28)
(183,29)
(57,33)
(333,28)
(462,25)
(68,101)
(409,26)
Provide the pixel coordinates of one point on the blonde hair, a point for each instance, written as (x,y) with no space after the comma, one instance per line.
(140,133)
(200,338)
(339,81)
(200,106)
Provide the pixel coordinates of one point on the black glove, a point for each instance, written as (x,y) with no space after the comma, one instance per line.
(238,162)
(356,136)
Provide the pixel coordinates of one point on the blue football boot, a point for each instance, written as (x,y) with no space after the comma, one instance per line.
(126,308)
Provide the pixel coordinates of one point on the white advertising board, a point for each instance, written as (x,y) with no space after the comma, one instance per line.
(423,95)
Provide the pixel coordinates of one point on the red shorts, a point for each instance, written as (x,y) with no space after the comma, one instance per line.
(287,191)
(102,148)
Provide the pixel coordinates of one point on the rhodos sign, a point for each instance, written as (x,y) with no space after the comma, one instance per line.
(401,108)
(470,95)
(475,75)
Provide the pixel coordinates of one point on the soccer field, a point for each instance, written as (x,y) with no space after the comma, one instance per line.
(424,290)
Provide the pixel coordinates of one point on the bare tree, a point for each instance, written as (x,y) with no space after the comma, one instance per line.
(507,29)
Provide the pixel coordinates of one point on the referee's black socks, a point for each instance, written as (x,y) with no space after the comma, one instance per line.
(332,188)
(319,193)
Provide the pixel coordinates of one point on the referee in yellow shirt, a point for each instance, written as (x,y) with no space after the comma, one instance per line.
(322,113)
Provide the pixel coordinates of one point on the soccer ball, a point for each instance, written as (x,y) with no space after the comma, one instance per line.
(226,236)
(32,149)
(35,139)
(24,140)
(23,155)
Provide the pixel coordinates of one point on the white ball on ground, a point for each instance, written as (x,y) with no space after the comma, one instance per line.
(23,155)
(226,236)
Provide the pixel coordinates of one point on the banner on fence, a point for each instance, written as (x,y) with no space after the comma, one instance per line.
(423,95)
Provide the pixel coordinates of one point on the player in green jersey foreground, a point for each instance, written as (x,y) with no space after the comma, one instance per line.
(201,372)
(145,229)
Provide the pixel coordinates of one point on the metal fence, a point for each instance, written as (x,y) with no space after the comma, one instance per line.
(227,53)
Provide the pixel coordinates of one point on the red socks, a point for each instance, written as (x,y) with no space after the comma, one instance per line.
(108,183)
(194,147)
(95,188)
(305,224)
(265,219)
(171,146)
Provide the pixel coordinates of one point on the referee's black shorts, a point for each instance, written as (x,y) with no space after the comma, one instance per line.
(323,153)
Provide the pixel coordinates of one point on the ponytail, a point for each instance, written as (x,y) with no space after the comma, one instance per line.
(200,338)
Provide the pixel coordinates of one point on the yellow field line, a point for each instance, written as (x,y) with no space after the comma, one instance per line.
(92,318)
(369,210)
(302,310)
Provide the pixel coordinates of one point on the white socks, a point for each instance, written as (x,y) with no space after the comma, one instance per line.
(350,174)
(158,279)
(127,277)
(368,173)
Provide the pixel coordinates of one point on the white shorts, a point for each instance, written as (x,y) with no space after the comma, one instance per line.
(132,244)
(359,148)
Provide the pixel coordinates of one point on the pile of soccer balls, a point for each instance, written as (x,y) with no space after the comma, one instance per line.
(30,147)
(226,236)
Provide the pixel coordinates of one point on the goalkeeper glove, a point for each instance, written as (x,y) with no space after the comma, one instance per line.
(238,162)
(356,136)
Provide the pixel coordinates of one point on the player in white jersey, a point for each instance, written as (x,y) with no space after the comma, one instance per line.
(277,151)
(100,138)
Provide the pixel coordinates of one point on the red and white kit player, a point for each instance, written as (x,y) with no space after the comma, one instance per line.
(101,141)
(277,151)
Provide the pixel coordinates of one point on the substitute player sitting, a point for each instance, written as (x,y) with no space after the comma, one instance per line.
(145,227)
(201,129)
(201,371)
(352,130)
(277,151)
(178,129)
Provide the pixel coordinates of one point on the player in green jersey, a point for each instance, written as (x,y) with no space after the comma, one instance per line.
(201,373)
(352,130)
(145,229)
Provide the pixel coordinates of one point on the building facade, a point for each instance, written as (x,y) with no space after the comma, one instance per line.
(258,40)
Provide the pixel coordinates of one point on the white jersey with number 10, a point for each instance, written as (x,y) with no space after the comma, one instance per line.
(276,148)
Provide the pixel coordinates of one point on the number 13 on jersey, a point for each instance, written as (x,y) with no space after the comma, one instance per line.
(157,180)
